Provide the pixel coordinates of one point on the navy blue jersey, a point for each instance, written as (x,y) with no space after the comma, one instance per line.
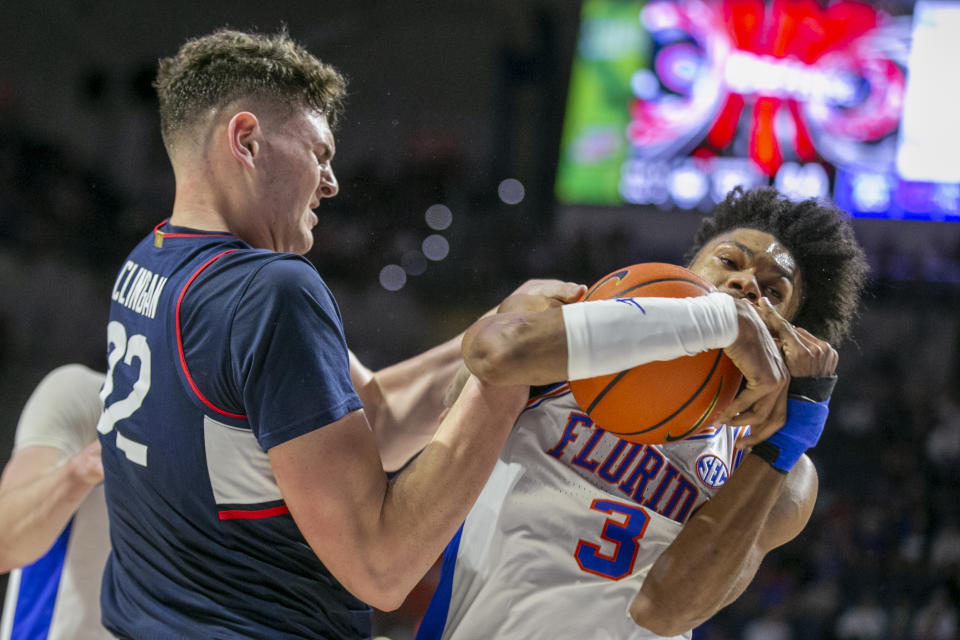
(216,353)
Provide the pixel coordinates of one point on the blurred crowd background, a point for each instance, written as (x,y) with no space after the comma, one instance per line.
(446,160)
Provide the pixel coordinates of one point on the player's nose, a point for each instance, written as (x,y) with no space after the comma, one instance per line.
(742,285)
(328,184)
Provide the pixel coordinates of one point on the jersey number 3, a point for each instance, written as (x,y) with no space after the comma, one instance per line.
(624,529)
(122,348)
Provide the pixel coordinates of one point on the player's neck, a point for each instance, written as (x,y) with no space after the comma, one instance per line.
(197,214)
(199,201)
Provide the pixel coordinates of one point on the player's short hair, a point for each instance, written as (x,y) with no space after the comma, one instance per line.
(832,264)
(212,71)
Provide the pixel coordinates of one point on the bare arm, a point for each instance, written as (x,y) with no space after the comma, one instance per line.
(40,490)
(377,537)
(718,551)
(42,484)
(518,346)
(403,402)
(526,343)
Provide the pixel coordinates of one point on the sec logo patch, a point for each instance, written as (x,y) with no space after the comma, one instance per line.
(712,471)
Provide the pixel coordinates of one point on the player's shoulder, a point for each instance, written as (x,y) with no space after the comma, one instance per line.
(284,268)
(251,271)
(279,281)
(268,267)
(73,375)
(62,411)
(71,385)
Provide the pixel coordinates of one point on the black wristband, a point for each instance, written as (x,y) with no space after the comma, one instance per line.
(768,452)
(812,389)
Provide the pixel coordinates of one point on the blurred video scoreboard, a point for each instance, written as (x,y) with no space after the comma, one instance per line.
(673,103)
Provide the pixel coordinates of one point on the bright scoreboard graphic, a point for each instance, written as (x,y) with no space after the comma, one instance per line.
(673,103)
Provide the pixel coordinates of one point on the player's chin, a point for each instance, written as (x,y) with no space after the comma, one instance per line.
(306,244)
(305,240)
(302,243)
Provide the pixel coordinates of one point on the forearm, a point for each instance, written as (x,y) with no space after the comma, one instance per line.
(765,503)
(403,402)
(587,339)
(32,514)
(426,503)
(707,560)
(380,537)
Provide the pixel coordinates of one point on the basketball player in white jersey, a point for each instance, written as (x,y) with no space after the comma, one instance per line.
(579,534)
(53,518)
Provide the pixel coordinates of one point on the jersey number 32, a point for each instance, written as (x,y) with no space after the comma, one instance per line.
(120,347)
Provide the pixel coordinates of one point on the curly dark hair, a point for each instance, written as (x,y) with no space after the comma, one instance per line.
(820,237)
(213,70)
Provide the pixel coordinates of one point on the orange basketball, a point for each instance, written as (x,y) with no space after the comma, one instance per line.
(660,401)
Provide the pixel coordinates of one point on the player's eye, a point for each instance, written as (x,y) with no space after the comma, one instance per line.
(774,293)
(727,262)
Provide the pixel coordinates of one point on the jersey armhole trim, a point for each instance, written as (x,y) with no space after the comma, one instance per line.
(548,393)
(183,359)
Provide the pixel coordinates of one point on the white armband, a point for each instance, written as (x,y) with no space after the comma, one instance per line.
(607,336)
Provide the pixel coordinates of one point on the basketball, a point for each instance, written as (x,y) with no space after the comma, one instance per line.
(664,401)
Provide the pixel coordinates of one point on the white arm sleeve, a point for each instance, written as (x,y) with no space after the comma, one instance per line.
(62,411)
(607,336)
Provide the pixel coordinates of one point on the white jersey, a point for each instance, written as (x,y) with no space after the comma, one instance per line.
(568,526)
(58,596)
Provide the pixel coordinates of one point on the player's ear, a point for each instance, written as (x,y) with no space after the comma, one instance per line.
(243,131)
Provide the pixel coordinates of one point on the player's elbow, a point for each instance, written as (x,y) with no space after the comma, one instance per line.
(665,628)
(382,580)
(5,564)
(517,348)
(11,558)
(381,590)
(375,569)
(663,618)
(383,599)
(491,351)
(20,547)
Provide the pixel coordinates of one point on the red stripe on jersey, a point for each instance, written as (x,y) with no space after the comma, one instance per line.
(183,359)
(252,514)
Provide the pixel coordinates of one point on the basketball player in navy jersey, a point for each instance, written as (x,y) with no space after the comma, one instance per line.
(245,488)
(53,519)
(579,534)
